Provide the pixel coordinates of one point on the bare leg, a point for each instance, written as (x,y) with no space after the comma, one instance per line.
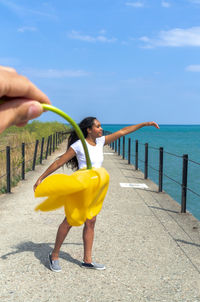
(61,235)
(88,238)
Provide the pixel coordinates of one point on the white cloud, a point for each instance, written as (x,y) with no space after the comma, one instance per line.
(87,38)
(102,32)
(176,37)
(193,68)
(165,4)
(124,43)
(135,4)
(195,1)
(27,28)
(22,11)
(145,39)
(55,73)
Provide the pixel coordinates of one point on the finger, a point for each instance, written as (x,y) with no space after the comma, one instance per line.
(6,68)
(18,112)
(14,85)
(34,93)
(156,125)
(22,87)
(22,124)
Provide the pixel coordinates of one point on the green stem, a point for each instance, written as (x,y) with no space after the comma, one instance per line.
(76,128)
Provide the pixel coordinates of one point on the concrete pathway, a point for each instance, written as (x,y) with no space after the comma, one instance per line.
(151,251)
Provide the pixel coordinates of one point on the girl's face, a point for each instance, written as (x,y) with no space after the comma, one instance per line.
(96,129)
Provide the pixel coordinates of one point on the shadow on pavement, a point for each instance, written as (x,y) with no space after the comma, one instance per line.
(41,251)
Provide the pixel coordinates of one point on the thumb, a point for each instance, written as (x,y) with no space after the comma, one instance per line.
(18,112)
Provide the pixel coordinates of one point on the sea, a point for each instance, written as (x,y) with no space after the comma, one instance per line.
(176,141)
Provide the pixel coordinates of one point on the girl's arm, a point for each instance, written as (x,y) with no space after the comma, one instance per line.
(124,131)
(69,154)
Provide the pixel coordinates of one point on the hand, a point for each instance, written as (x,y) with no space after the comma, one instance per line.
(153,124)
(36,184)
(19,99)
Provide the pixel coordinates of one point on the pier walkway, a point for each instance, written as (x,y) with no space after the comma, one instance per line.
(151,251)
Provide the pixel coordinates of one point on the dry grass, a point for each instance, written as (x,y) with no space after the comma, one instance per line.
(16,162)
(15,140)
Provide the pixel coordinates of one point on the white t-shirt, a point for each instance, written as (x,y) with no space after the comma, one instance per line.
(95,152)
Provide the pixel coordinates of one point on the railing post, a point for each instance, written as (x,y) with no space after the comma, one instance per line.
(41,151)
(184,183)
(56,139)
(58,135)
(23,161)
(129,151)
(8,189)
(123,147)
(116,146)
(161,170)
(146,162)
(50,144)
(47,149)
(35,154)
(119,143)
(54,142)
(136,155)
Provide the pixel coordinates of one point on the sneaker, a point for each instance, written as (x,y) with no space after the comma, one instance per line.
(93,265)
(54,264)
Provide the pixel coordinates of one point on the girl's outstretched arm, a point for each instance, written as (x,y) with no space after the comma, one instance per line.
(69,154)
(124,131)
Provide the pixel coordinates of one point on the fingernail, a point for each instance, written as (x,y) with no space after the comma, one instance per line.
(34,111)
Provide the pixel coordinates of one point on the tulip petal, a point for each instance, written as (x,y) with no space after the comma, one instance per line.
(82,194)
(51,203)
(97,203)
(88,202)
(77,204)
(59,184)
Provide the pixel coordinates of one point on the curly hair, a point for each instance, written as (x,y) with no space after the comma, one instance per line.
(84,125)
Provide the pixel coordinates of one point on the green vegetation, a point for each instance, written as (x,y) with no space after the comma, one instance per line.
(14,136)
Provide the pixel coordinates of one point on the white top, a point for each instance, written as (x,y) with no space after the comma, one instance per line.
(95,152)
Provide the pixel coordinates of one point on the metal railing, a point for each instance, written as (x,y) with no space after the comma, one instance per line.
(26,160)
(133,153)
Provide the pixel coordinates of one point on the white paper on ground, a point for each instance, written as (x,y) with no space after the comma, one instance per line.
(109,153)
(133,185)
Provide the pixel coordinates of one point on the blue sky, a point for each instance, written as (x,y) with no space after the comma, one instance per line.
(121,61)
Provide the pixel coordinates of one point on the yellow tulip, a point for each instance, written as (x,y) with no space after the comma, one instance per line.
(82,194)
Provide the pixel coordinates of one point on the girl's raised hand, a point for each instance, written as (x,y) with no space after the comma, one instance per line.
(154,124)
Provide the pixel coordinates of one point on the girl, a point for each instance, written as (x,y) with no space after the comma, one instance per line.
(75,157)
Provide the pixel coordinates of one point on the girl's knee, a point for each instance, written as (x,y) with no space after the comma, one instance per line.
(90,222)
(66,224)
